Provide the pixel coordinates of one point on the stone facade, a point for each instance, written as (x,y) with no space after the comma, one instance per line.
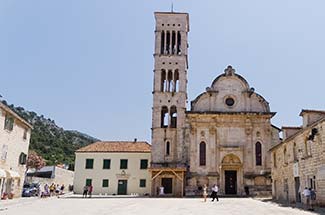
(14,142)
(223,139)
(298,161)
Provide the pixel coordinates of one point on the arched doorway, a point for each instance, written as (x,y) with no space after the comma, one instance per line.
(231,170)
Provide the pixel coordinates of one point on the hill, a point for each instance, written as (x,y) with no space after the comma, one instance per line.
(52,142)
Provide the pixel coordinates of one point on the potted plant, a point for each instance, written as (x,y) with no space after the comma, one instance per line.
(11,196)
(4,196)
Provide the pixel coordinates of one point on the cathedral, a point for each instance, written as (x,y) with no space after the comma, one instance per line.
(223,139)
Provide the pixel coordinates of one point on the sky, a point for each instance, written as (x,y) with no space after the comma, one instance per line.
(89,64)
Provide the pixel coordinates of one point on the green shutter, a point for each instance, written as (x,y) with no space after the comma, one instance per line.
(88,181)
(144,164)
(89,163)
(142,182)
(106,164)
(105,183)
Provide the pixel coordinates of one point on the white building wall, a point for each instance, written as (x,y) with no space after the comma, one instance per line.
(132,174)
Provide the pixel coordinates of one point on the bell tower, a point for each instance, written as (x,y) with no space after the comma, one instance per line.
(169,88)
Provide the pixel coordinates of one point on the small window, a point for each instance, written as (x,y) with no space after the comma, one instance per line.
(144,164)
(25,134)
(123,164)
(9,123)
(167,148)
(89,163)
(202,154)
(142,182)
(88,181)
(106,164)
(22,158)
(105,183)
(230,102)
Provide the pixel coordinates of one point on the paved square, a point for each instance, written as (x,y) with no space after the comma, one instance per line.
(143,206)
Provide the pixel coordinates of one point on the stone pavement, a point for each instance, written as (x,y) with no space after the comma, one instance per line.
(144,206)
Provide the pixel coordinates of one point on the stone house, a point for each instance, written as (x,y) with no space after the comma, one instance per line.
(223,139)
(14,142)
(113,168)
(299,161)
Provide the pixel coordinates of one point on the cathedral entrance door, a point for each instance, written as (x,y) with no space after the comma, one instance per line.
(231,182)
(167,183)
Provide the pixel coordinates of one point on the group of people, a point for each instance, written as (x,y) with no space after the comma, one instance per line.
(52,190)
(310,198)
(88,189)
(214,193)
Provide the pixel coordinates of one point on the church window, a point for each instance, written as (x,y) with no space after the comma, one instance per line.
(167,148)
(163,84)
(162,45)
(202,154)
(164,117)
(230,102)
(258,154)
(173,42)
(176,81)
(173,114)
(170,81)
(168,43)
(179,43)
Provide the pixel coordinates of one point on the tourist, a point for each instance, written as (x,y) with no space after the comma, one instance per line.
(312,199)
(57,190)
(90,190)
(52,189)
(205,192)
(61,189)
(307,198)
(84,194)
(214,194)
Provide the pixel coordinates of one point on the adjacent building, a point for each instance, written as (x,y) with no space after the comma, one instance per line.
(14,142)
(299,161)
(223,139)
(113,168)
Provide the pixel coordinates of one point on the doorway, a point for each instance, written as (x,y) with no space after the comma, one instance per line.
(298,191)
(167,183)
(230,182)
(122,187)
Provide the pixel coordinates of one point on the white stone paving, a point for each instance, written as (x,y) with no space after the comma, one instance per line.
(144,206)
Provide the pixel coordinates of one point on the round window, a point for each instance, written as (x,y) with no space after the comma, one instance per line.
(230,102)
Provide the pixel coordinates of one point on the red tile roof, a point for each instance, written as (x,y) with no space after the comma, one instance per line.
(117,146)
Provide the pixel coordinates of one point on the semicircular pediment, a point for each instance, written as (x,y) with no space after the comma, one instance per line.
(231,159)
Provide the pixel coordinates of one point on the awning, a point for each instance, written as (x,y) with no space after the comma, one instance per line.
(12,174)
(2,173)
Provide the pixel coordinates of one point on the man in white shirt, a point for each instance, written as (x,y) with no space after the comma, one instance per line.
(214,194)
(307,197)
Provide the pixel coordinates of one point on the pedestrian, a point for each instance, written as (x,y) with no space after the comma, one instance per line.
(57,189)
(205,192)
(214,194)
(84,194)
(90,190)
(307,198)
(312,199)
(52,189)
(61,189)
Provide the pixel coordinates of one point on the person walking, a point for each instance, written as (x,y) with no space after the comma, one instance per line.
(312,199)
(214,194)
(205,192)
(84,194)
(307,198)
(90,190)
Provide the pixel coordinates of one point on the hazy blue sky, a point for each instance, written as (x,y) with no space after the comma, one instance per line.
(88,64)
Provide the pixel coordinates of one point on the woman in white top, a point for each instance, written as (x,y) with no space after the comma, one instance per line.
(205,192)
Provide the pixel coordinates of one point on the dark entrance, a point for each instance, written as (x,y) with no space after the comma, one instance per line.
(298,192)
(231,182)
(122,187)
(167,183)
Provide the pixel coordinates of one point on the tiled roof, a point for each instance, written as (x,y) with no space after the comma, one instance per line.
(117,146)
(7,109)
